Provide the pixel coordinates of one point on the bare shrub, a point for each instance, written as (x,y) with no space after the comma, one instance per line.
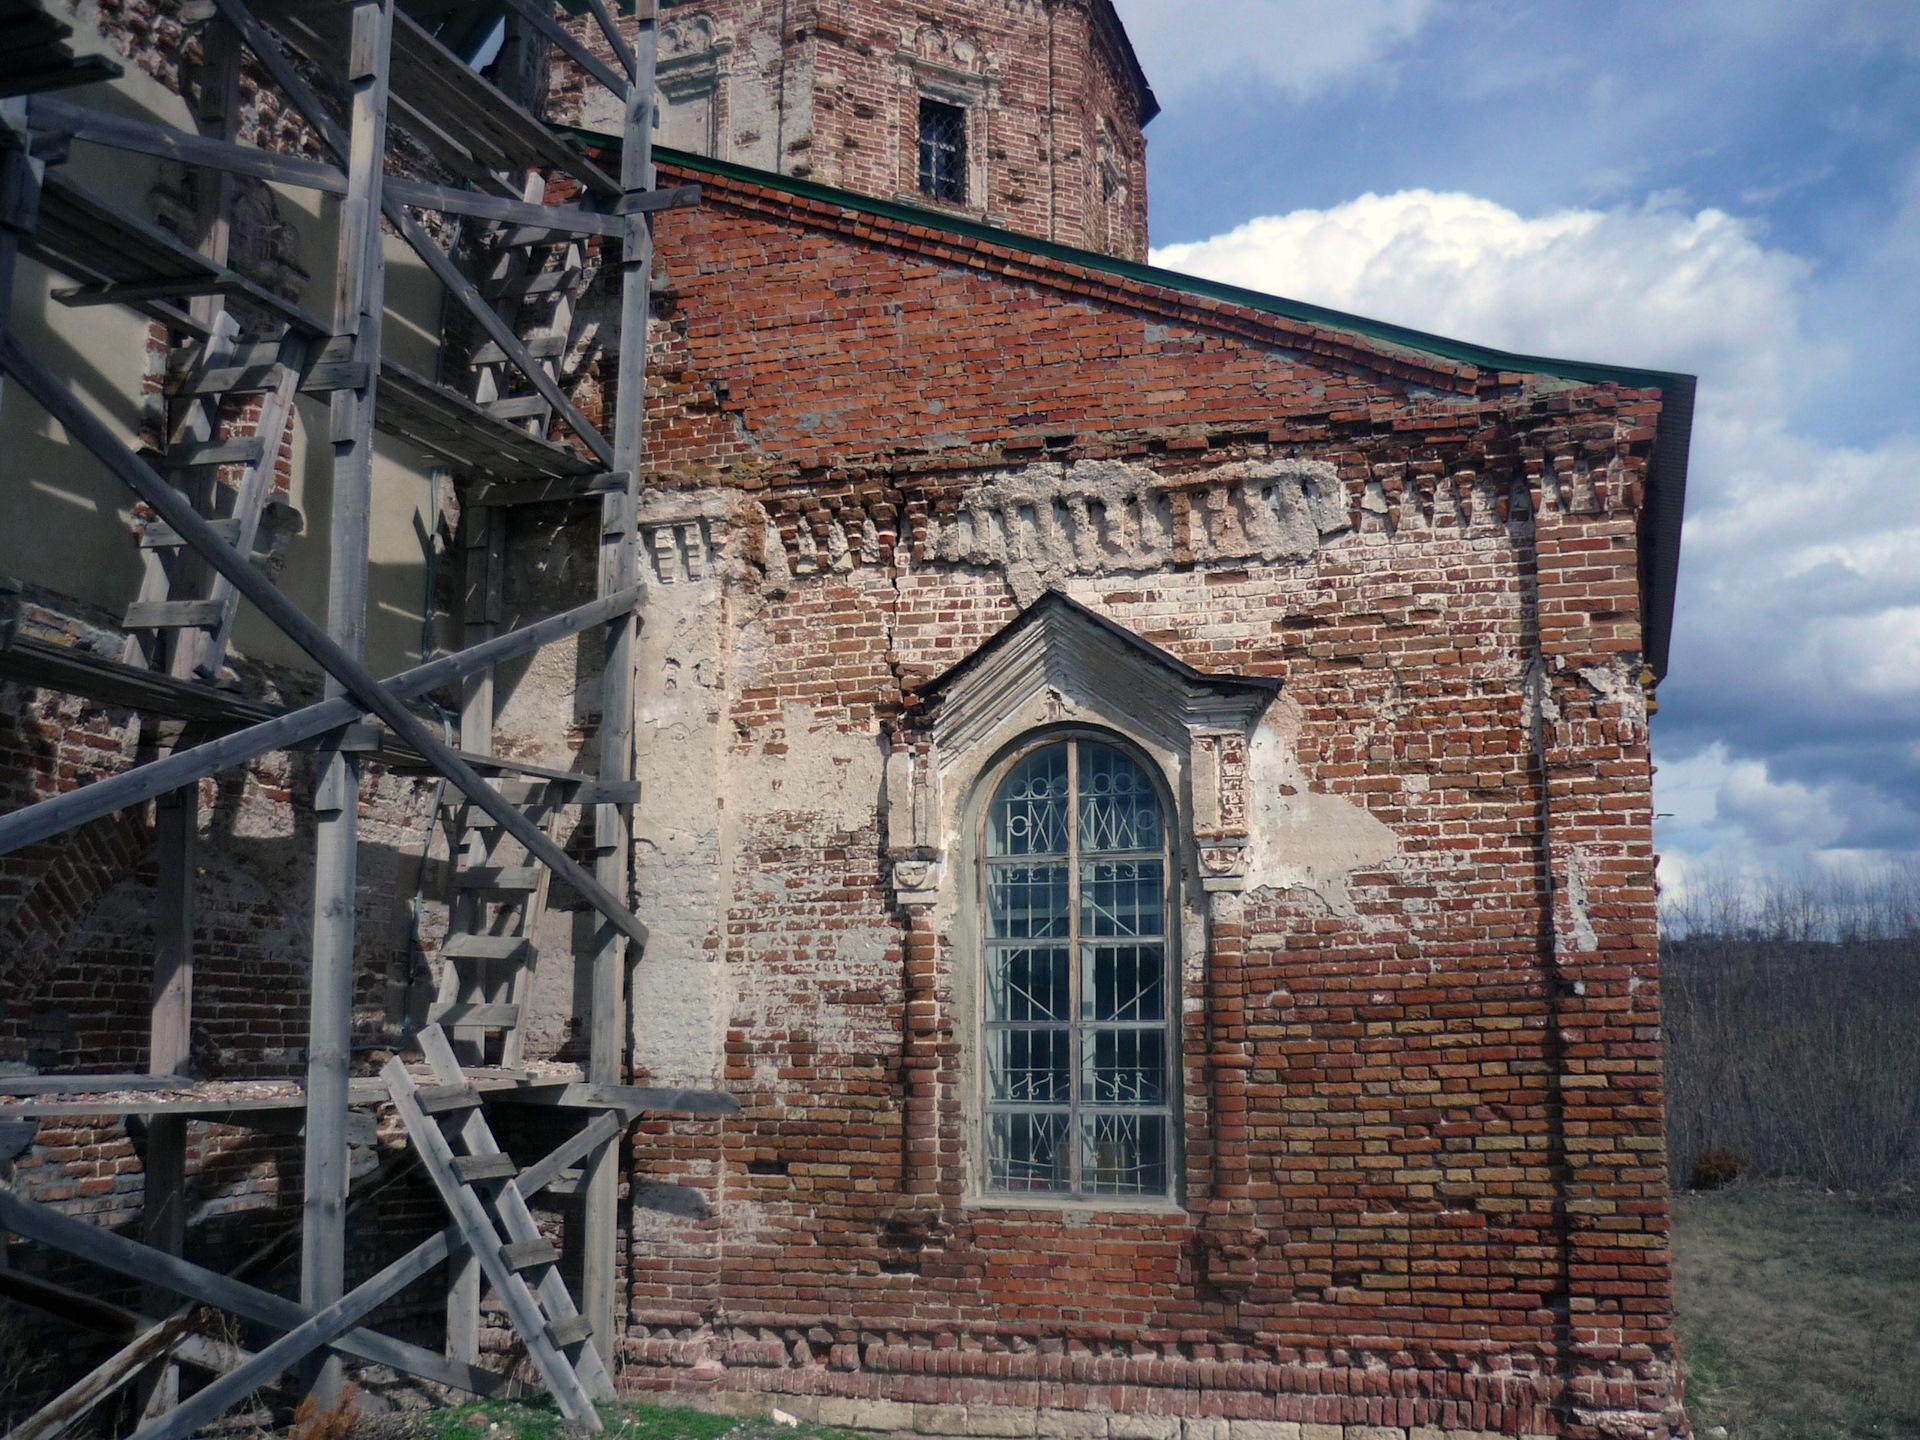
(1792,1029)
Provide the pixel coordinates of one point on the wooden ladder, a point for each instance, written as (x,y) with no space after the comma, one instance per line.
(180,595)
(480,1185)
(492,952)
(519,276)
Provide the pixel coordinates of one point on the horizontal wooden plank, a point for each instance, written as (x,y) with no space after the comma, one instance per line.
(451,200)
(468,1169)
(499,877)
(568,1332)
(457,1016)
(530,1254)
(440,1099)
(636,1099)
(120,133)
(245,451)
(520,407)
(524,287)
(174,615)
(484,947)
(541,347)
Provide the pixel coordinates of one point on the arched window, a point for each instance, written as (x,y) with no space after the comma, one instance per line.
(1076,1004)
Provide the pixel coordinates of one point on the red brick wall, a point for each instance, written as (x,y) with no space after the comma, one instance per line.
(1423,1170)
(828,90)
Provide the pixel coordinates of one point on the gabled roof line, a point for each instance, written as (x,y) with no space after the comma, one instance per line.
(1480,357)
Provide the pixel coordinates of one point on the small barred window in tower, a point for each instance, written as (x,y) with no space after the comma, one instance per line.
(943,152)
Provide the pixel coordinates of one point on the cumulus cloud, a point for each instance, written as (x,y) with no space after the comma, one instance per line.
(1790,725)
(1300,46)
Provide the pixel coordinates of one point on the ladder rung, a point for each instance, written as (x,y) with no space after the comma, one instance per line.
(228,379)
(245,451)
(529,1254)
(518,407)
(521,286)
(439,1099)
(566,1333)
(456,1016)
(483,947)
(500,877)
(469,1168)
(161,536)
(541,347)
(175,615)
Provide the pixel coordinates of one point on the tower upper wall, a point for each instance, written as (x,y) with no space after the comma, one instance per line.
(1022,113)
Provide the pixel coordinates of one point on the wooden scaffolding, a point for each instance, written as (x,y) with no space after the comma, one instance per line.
(357,72)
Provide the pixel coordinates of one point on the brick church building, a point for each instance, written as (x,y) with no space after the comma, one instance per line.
(1146,792)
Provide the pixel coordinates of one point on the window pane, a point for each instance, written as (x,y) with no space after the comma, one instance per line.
(1123,982)
(1025,985)
(1027,902)
(1028,1152)
(1028,1067)
(1124,1067)
(1119,808)
(1124,1154)
(1122,897)
(943,151)
(1029,811)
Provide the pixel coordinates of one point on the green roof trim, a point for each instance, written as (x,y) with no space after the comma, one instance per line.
(1483,356)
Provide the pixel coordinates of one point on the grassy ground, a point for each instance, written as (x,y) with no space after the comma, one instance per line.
(1799,1315)
(505,1420)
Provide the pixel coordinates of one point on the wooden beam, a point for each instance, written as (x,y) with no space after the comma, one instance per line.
(455,201)
(541,18)
(119,133)
(359,307)
(284,732)
(619,568)
(463,290)
(182,1277)
(321,1329)
(638,1099)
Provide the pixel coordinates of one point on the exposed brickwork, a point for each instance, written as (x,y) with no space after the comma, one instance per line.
(1420,1163)
(830,90)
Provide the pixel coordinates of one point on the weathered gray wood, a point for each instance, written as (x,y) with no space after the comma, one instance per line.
(570,219)
(439,1099)
(172,615)
(530,1254)
(484,947)
(611,29)
(467,1016)
(471,1169)
(103,797)
(462,289)
(329,1324)
(249,505)
(291,84)
(619,568)
(541,18)
(182,1277)
(117,132)
(637,1099)
(648,202)
(359,306)
(552,1170)
(510,1205)
(78,1400)
(242,451)
(475,1224)
(130,470)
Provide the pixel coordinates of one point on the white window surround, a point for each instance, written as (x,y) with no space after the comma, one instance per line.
(975,92)
(1060,667)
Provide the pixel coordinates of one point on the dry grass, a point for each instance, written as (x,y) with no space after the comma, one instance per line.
(1799,1314)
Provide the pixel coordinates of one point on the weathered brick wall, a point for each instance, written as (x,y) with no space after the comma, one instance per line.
(1422,1171)
(829,90)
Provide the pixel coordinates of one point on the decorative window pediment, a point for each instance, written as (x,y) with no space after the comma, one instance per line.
(1059,662)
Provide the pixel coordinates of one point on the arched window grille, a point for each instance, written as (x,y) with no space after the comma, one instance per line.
(1077,1009)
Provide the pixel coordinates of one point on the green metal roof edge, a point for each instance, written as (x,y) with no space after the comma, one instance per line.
(1460,350)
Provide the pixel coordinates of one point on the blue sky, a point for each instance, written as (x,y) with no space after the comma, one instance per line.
(1728,187)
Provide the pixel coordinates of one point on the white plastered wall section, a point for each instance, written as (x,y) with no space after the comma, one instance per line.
(68,524)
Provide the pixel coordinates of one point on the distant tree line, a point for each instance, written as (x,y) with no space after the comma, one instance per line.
(1792,1029)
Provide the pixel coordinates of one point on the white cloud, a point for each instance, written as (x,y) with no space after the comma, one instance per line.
(1300,46)
(1791,720)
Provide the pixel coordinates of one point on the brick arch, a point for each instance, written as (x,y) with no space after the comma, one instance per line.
(64,878)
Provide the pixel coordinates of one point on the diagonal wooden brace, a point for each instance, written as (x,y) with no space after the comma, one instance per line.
(283,732)
(173,508)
